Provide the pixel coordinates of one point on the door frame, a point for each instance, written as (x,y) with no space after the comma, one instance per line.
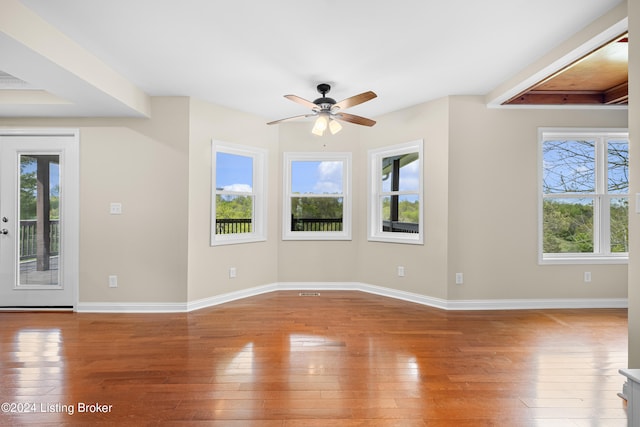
(71,171)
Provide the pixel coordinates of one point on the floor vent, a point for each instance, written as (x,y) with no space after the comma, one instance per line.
(309,294)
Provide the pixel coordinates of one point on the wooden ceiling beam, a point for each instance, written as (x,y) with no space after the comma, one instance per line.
(617,95)
(598,78)
(558,98)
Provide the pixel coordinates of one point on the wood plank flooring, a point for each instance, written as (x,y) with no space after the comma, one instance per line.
(337,359)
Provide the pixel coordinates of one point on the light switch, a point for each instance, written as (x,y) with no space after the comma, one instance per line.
(115,208)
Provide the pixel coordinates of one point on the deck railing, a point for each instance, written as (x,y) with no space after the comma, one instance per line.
(232,226)
(316,224)
(400,227)
(28,239)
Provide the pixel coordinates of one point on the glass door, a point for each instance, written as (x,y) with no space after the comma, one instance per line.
(39,212)
(38,220)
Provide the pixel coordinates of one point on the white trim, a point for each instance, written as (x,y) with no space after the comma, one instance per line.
(228,297)
(69,151)
(601,229)
(131,307)
(374,219)
(258,193)
(452,305)
(535,304)
(71,132)
(27,309)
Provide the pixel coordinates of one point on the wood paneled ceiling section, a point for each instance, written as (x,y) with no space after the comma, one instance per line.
(599,78)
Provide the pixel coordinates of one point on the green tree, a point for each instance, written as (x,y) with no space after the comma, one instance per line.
(28,188)
(568,227)
(29,191)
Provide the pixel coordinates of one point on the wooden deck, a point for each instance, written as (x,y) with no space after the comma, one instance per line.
(337,359)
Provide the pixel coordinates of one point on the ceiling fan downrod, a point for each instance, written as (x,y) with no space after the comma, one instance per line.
(325,102)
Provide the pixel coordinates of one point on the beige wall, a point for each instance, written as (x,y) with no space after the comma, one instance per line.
(481,219)
(146,245)
(319,261)
(425,265)
(142,164)
(255,263)
(493,205)
(480,205)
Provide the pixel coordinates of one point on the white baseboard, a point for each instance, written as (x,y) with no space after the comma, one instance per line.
(228,297)
(533,304)
(496,304)
(131,307)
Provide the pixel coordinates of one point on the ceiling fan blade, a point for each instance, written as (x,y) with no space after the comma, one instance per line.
(352,118)
(355,100)
(291,118)
(302,101)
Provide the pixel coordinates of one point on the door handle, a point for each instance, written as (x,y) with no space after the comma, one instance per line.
(5,219)
(4,231)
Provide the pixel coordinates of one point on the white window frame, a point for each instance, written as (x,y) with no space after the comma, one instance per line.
(258,193)
(345,234)
(374,217)
(601,229)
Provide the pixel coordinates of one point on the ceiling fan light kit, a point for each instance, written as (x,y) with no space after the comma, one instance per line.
(329,112)
(320,125)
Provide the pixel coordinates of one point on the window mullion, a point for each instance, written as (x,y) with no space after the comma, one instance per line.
(605,221)
(601,166)
(597,225)
(599,217)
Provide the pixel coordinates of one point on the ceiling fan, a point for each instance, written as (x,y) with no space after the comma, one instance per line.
(329,112)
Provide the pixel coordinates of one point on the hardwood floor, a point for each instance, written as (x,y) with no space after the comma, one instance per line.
(338,359)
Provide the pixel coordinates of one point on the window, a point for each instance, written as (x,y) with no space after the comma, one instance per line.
(239,200)
(584,196)
(395,205)
(317,203)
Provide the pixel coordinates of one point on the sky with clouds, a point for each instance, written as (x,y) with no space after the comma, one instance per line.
(234,173)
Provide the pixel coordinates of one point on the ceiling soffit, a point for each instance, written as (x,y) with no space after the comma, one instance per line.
(598,78)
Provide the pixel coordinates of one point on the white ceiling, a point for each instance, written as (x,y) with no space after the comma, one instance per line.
(247,54)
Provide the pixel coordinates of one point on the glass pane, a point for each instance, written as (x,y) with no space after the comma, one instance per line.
(400,214)
(234,172)
(619,224)
(568,225)
(569,167)
(233,214)
(618,167)
(39,207)
(316,177)
(316,213)
(401,173)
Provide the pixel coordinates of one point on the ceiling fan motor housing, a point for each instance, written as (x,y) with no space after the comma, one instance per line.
(325,102)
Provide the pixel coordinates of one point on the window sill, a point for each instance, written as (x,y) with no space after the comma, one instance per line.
(326,235)
(417,240)
(238,240)
(584,260)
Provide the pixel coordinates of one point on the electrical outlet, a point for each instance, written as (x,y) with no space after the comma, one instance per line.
(587,276)
(400,271)
(459,278)
(113,281)
(232,272)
